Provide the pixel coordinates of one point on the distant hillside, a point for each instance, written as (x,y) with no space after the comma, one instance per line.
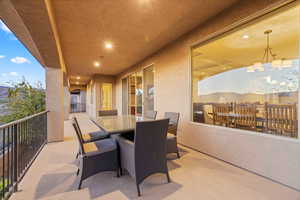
(3,101)
(221,97)
(3,92)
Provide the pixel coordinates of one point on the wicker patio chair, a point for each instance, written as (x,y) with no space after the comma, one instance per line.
(90,137)
(96,157)
(145,155)
(172,133)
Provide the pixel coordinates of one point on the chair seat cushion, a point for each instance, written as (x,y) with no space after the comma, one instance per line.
(100,146)
(94,136)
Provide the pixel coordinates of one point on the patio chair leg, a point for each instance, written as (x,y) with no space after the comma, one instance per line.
(121,171)
(77,155)
(138,190)
(79,186)
(118,173)
(168,177)
(178,155)
(78,170)
(81,177)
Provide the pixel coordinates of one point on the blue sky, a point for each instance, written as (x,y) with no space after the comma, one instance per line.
(16,61)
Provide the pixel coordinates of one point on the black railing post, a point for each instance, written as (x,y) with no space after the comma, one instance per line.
(46,128)
(3,163)
(15,147)
(21,143)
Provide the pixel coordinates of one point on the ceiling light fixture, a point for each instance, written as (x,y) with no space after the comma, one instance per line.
(269,57)
(77,83)
(245,36)
(108,45)
(96,64)
(78,77)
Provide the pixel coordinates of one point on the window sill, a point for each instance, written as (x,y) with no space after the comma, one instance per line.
(241,131)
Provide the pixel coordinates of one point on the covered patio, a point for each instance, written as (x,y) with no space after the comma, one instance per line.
(194,176)
(209,62)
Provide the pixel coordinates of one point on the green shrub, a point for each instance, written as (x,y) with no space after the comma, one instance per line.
(24,100)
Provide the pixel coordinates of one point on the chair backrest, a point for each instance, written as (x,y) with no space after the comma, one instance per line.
(245,115)
(281,119)
(174,118)
(79,137)
(151,114)
(75,121)
(150,146)
(221,113)
(103,113)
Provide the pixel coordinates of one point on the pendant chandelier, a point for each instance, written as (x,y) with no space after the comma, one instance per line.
(269,57)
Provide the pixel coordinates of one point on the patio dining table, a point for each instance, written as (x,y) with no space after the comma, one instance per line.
(118,124)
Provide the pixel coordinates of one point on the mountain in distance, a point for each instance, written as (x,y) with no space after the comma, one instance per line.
(221,97)
(3,101)
(3,92)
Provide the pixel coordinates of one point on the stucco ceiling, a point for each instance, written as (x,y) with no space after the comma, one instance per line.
(71,34)
(136,28)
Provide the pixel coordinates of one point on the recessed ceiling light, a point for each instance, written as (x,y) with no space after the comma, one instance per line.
(78,77)
(97,64)
(108,45)
(245,36)
(77,83)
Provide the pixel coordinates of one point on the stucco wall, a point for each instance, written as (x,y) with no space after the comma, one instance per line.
(270,156)
(67,101)
(91,99)
(55,104)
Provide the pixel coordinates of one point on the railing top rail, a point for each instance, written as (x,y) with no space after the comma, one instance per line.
(23,119)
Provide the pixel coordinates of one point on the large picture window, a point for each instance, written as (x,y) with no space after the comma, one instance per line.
(249,78)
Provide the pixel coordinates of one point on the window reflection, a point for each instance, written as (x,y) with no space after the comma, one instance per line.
(237,84)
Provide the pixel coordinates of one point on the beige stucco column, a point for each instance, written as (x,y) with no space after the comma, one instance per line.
(67,102)
(55,104)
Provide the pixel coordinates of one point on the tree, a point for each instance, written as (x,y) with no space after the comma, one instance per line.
(24,100)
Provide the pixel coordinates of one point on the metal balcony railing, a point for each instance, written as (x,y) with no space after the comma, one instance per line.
(20,143)
(78,107)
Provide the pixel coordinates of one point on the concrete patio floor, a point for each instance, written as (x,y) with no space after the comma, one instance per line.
(194,176)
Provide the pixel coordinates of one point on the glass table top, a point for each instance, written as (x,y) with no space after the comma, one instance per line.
(118,124)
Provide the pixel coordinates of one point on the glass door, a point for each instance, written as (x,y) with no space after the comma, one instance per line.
(148,75)
(131,94)
(139,93)
(125,96)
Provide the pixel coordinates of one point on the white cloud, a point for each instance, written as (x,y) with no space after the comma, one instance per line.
(5,84)
(13,74)
(4,27)
(19,60)
(10,74)
(2,56)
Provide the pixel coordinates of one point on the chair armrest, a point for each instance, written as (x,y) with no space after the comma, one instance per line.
(125,142)
(127,154)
